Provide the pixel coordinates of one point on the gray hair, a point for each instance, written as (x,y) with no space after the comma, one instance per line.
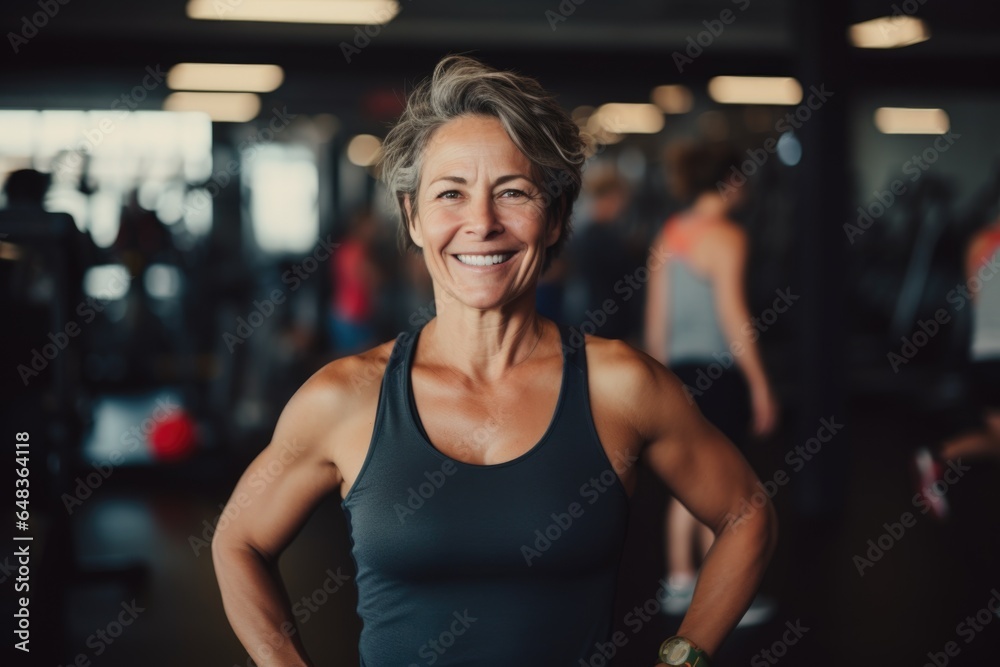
(538,126)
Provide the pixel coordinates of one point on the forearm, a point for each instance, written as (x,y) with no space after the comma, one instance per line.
(743,344)
(729,578)
(257,606)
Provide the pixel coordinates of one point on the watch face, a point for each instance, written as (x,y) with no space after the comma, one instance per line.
(675,651)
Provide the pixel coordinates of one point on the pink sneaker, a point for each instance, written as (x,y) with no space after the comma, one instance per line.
(927,470)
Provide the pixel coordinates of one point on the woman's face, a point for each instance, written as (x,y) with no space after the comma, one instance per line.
(480,215)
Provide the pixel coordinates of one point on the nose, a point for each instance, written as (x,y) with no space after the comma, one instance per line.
(482,221)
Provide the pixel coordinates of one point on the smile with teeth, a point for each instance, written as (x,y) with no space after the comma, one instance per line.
(484,260)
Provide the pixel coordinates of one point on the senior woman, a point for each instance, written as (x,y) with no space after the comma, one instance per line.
(484,459)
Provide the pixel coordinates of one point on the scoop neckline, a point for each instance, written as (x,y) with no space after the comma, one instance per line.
(418,426)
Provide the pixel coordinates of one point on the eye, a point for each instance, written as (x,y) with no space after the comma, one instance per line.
(513,194)
(448,194)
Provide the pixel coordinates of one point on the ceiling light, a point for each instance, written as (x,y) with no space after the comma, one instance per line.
(898,120)
(221,107)
(755,90)
(219,76)
(357,12)
(889,32)
(621,118)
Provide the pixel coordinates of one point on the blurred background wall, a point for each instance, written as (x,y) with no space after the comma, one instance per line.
(198,240)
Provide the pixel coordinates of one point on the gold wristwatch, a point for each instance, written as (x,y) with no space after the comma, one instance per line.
(682,652)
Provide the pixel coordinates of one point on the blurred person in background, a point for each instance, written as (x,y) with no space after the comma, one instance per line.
(698,324)
(479,556)
(598,257)
(356,279)
(143,240)
(981,267)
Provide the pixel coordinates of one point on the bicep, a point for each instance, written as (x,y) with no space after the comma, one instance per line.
(275,496)
(283,484)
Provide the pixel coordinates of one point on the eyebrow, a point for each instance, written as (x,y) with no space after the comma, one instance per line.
(500,181)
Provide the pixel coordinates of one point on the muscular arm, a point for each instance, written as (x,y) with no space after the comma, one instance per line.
(270,503)
(706,472)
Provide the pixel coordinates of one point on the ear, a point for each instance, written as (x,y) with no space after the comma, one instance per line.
(554,230)
(411,223)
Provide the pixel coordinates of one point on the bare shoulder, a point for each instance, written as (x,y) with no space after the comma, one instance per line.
(728,233)
(636,386)
(335,400)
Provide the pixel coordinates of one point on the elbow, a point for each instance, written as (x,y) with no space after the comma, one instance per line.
(223,545)
(218,548)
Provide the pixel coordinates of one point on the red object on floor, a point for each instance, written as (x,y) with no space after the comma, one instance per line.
(173,438)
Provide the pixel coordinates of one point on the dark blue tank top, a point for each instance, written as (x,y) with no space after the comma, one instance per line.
(506,564)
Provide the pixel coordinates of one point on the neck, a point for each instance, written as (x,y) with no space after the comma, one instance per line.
(482,345)
(710,204)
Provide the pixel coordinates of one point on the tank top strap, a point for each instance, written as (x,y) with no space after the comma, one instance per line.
(574,355)
(394,409)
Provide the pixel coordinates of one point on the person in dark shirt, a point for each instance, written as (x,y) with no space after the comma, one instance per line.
(598,258)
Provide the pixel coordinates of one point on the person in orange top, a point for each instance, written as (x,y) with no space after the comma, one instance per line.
(697,324)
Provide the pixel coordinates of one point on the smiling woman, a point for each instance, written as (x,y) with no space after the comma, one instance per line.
(520,445)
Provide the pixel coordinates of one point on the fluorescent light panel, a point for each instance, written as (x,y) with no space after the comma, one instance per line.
(357,12)
(221,107)
(223,76)
(621,118)
(900,120)
(755,90)
(889,32)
